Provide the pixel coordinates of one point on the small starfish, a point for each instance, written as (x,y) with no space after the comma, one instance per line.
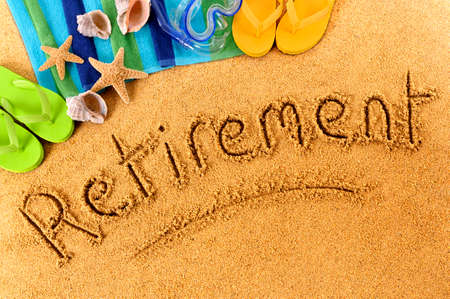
(114,74)
(59,57)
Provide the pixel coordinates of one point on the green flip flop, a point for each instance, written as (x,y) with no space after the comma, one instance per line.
(20,151)
(41,110)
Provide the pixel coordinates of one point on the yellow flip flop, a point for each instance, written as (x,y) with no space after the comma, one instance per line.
(303,25)
(254,26)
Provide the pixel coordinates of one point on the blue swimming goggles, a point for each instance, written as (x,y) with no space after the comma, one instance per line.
(187,23)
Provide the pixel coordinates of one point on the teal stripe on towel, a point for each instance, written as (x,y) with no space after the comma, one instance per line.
(54,14)
(104,48)
(147,50)
(31,40)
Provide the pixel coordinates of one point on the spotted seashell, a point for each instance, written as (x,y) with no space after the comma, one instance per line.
(132,15)
(87,106)
(94,24)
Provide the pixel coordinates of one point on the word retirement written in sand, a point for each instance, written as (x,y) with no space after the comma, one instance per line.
(380,122)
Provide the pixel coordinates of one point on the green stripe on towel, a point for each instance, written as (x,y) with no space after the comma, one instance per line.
(66,87)
(118,40)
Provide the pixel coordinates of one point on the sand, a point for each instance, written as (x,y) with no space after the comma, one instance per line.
(319,175)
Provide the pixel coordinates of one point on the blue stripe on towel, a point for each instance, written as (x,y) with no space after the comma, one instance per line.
(104,49)
(32,42)
(162,42)
(81,45)
(53,11)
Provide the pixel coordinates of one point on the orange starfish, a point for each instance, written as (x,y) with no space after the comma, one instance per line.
(59,57)
(114,74)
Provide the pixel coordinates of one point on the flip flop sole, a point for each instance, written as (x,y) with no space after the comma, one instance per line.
(244,33)
(303,39)
(29,156)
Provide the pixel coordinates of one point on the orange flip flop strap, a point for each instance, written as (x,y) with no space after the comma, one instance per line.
(261,26)
(298,23)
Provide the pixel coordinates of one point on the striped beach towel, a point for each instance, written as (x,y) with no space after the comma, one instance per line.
(50,22)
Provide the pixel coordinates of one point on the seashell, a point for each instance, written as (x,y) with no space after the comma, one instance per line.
(94,24)
(87,106)
(138,14)
(122,8)
(132,15)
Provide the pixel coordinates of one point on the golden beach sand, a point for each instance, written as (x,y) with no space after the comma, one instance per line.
(318,175)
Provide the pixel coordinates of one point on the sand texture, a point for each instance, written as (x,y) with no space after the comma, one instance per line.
(319,175)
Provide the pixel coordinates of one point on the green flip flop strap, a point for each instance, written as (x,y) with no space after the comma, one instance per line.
(12,135)
(30,119)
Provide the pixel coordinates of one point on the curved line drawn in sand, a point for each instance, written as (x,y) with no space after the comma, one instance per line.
(193,220)
(49,231)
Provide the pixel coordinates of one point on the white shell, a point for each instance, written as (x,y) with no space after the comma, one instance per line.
(94,24)
(78,108)
(128,18)
(122,8)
